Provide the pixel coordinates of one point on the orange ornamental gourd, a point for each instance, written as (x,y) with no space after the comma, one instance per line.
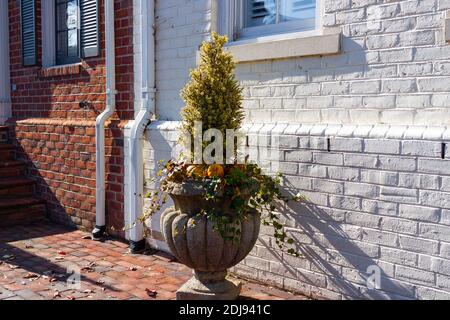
(215,171)
(195,171)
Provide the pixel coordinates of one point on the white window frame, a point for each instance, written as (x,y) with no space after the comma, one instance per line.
(231,21)
(447,27)
(296,43)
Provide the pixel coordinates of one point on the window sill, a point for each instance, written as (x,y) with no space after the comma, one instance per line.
(285,47)
(62,70)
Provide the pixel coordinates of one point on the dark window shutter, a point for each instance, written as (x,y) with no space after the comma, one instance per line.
(258,9)
(90,40)
(28,21)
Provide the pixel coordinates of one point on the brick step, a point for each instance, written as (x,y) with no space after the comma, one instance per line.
(15,211)
(7,152)
(16,187)
(14,168)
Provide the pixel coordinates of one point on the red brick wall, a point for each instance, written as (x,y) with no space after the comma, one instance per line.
(55,95)
(61,157)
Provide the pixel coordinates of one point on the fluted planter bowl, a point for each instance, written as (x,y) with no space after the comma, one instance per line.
(194,242)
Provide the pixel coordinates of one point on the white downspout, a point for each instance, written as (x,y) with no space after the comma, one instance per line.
(143,117)
(100,223)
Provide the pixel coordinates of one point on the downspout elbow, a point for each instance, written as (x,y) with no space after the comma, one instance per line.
(109,110)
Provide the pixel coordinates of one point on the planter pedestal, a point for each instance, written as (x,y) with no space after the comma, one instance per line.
(209,286)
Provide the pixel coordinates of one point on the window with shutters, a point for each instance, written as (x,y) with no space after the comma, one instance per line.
(257,18)
(70,31)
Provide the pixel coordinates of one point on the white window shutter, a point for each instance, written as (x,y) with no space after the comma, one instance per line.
(48,33)
(89,28)
(301,9)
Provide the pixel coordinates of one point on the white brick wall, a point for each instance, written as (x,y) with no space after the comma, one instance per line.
(181,25)
(381,195)
(394,67)
(374,201)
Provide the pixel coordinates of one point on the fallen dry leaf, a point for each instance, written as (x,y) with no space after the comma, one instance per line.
(30,275)
(88,269)
(151,293)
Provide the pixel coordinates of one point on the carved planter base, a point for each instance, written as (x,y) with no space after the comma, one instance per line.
(209,286)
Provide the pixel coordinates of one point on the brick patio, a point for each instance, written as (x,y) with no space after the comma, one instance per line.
(37,260)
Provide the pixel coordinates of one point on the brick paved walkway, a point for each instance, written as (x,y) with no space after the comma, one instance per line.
(36,261)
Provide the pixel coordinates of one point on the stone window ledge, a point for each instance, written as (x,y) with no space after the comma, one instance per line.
(286,47)
(56,122)
(67,122)
(62,70)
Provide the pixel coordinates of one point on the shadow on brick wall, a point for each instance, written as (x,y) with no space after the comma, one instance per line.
(338,252)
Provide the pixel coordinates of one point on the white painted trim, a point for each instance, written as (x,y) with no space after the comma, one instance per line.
(63,65)
(48,34)
(406,132)
(447,30)
(291,46)
(320,11)
(5,86)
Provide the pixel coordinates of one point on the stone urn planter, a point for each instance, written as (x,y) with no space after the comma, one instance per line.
(194,242)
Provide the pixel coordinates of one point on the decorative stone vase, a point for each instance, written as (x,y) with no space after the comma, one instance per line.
(195,243)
